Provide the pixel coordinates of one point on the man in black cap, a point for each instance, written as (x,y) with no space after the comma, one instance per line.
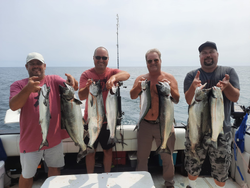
(227,80)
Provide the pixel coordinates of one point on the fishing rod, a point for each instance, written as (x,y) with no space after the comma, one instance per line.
(120,113)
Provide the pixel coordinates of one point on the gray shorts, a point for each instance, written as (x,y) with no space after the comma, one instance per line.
(220,158)
(30,161)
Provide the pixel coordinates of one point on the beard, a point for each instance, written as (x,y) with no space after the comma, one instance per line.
(210,63)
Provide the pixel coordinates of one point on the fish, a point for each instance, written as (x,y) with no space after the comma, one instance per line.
(44,113)
(112,113)
(145,102)
(71,118)
(217,115)
(199,118)
(166,109)
(95,112)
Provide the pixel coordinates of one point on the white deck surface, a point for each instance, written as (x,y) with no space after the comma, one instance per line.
(180,182)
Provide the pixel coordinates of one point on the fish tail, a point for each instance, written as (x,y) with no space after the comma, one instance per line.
(113,140)
(46,143)
(160,150)
(81,155)
(212,143)
(136,127)
(110,141)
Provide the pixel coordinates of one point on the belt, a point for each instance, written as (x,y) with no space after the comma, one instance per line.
(152,122)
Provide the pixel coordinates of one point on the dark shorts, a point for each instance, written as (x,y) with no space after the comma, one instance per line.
(220,158)
(102,138)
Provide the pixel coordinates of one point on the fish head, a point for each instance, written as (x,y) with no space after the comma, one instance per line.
(95,88)
(216,92)
(144,85)
(164,88)
(113,90)
(67,92)
(201,94)
(44,90)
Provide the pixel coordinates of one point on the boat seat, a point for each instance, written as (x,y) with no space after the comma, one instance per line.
(11,141)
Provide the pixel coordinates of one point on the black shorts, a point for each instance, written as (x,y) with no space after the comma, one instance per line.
(102,138)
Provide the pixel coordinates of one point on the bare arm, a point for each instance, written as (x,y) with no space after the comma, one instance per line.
(134,92)
(72,81)
(174,90)
(120,76)
(20,99)
(84,92)
(230,92)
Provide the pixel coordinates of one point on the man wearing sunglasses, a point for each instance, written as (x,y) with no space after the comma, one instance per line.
(23,95)
(108,77)
(149,128)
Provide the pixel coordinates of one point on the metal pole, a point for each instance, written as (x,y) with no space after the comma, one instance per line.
(119,118)
(117,26)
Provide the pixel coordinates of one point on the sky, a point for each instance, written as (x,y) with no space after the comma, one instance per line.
(66,32)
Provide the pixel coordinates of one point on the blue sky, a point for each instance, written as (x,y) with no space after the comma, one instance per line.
(66,32)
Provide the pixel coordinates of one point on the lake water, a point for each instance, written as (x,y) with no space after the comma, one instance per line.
(129,107)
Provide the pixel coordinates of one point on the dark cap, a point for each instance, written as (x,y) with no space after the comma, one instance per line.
(206,44)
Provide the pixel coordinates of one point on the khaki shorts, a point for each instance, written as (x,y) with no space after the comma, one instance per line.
(53,158)
(220,158)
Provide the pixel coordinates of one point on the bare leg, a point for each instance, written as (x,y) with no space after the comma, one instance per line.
(90,162)
(53,171)
(25,183)
(107,161)
(221,184)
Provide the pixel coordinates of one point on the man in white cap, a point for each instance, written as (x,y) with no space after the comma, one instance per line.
(23,95)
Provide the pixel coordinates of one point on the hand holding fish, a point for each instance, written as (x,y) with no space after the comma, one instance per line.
(33,84)
(224,83)
(71,81)
(111,82)
(89,82)
(140,81)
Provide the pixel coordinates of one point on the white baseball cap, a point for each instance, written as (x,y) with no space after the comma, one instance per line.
(34,55)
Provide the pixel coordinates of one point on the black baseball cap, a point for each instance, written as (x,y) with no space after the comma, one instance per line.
(206,44)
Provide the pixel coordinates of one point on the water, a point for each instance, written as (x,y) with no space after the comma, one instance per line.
(129,107)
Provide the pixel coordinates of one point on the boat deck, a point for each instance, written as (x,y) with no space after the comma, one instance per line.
(181,181)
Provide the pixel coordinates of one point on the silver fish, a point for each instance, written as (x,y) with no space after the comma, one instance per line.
(112,113)
(199,117)
(71,118)
(44,113)
(145,101)
(166,114)
(217,114)
(95,112)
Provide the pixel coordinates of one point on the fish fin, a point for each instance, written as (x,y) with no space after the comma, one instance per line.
(136,127)
(81,154)
(77,101)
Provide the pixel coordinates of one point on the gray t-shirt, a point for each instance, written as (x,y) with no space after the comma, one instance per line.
(212,79)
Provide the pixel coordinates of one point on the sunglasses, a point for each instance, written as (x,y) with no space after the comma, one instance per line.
(150,61)
(103,57)
(34,64)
